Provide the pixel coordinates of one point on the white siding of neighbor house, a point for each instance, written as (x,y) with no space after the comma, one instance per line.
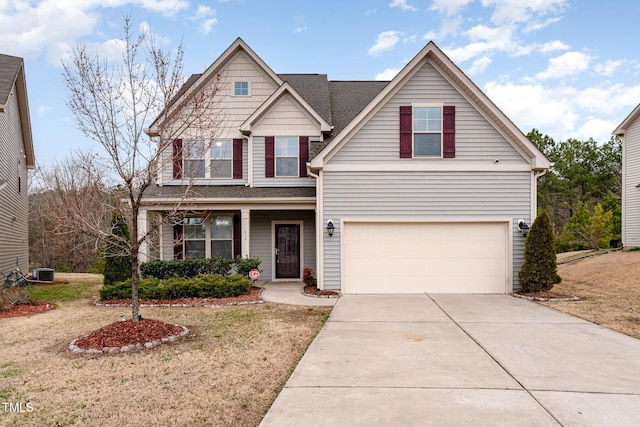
(14,235)
(235,110)
(261,238)
(423,196)
(476,139)
(630,189)
(259,180)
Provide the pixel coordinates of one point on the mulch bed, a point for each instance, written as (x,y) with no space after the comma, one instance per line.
(128,333)
(314,291)
(27,310)
(545,296)
(252,297)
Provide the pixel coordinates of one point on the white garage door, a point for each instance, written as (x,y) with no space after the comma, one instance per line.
(424,257)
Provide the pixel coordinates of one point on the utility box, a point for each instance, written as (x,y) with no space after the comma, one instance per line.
(43,274)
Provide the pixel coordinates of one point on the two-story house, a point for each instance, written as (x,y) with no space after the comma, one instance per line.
(412,185)
(16,157)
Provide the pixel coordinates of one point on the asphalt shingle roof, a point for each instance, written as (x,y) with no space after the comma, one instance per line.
(228,192)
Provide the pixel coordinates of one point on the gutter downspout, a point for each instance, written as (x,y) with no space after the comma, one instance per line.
(319,228)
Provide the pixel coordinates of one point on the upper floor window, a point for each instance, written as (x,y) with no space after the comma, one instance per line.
(221,157)
(241,88)
(427,132)
(286,156)
(194,158)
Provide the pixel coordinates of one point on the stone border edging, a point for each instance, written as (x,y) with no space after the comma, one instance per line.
(545,299)
(97,303)
(338,295)
(116,350)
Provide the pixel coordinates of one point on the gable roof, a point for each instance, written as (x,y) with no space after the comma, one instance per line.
(465,87)
(622,127)
(12,73)
(278,94)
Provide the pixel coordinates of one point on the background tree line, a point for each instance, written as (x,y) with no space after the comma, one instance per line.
(582,191)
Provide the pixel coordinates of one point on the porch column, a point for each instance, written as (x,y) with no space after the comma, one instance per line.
(143,254)
(245,230)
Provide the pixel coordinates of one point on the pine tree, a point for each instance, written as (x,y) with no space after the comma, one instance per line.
(539,271)
(117,267)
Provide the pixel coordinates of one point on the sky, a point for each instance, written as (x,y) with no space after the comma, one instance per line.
(569,68)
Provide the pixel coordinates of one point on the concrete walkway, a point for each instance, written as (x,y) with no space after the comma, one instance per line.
(291,293)
(459,360)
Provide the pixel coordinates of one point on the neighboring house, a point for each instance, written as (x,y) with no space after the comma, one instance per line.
(16,157)
(629,132)
(422,178)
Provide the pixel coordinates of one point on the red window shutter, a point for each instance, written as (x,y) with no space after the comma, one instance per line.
(303,154)
(237,158)
(178,252)
(449,131)
(237,236)
(269,156)
(406,132)
(177,159)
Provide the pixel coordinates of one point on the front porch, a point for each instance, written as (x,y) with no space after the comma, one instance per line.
(284,239)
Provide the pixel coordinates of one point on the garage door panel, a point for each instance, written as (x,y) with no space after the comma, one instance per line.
(424,257)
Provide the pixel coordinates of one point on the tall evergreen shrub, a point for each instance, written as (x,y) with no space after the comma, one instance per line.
(117,267)
(539,271)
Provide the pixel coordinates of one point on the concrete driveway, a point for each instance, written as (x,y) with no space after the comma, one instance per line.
(400,360)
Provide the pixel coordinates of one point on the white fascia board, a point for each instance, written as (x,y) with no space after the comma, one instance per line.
(622,127)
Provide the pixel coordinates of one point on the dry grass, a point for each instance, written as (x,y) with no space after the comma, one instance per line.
(227,371)
(608,288)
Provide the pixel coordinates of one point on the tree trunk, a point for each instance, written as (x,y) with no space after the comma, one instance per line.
(135,274)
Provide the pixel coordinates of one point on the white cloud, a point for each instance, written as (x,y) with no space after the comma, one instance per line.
(598,129)
(388,74)
(609,67)
(299,20)
(449,7)
(386,41)
(479,65)
(44,109)
(532,12)
(402,4)
(553,46)
(566,65)
(208,18)
(48,27)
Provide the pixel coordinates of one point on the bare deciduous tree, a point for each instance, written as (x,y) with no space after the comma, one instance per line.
(114,101)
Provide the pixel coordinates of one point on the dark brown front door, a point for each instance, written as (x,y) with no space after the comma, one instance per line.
(287,251)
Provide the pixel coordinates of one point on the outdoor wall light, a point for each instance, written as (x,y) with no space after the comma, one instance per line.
(330,227)
(523,227)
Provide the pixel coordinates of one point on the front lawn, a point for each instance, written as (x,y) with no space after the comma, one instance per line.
(226,372)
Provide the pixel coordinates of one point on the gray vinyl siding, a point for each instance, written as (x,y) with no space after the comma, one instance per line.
(259,180)
(261,237)
(630,191)
(14,235)
(423,195)
(476,139)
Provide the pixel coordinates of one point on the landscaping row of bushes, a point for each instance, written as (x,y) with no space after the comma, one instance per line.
(189,268)
(203,286)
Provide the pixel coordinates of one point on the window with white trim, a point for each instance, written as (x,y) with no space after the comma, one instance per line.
(194,155)
(221,159)
(221,236)
(208,236)
(286,154)
(241,88)
(427,131)
(194,230)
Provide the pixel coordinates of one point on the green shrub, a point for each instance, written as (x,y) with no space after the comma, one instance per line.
(204,286)
(117,267)
(186,268)
(539,271)
(245,265)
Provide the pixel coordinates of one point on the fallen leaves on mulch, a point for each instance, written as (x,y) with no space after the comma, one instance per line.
(27,309)
(313,290)
(128,332)
(252,296)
